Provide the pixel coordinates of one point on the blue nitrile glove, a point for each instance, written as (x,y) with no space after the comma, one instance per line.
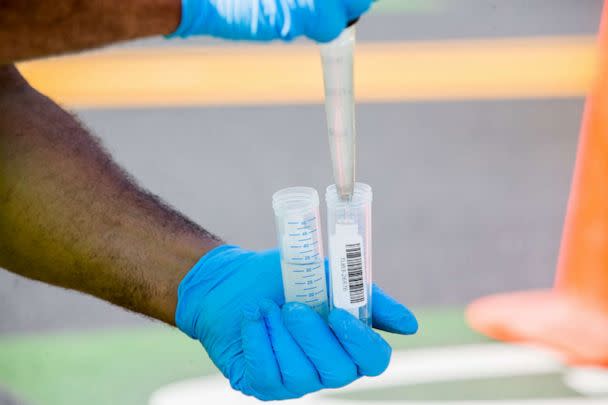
(231,302)
(265,20)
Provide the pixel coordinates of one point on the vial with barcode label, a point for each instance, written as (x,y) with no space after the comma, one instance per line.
(296,212)
(349,228)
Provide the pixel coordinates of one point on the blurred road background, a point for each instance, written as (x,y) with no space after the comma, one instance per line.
(469,194)
(468,140)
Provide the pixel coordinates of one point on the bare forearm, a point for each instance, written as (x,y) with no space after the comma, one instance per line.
(69,216)
(35,28)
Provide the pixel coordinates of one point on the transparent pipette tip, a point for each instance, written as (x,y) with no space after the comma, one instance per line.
(361,195)
(337,59)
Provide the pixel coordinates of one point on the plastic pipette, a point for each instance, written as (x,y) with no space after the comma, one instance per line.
(337,59)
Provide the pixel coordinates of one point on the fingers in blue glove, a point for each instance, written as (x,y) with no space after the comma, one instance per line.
(261,377)
(333,364)
(370,352)
(390,316)
(330,20)
(355,8)
(298,373)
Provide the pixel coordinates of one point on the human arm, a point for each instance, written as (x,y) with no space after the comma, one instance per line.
(69,216)
(36,28)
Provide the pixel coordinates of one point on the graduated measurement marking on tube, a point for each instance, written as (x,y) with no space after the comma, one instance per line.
(301,262)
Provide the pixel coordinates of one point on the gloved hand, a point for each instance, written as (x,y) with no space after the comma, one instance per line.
(265,20)
(230,301)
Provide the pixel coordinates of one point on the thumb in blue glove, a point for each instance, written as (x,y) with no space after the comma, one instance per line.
(265,20)
(231,301)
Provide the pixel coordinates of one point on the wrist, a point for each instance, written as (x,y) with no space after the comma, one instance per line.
(164,19)
(200,280)
(180,261)
(190,15)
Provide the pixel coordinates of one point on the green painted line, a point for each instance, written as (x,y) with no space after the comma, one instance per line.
(125,367)
(445,327)
(120,368)
(407,6)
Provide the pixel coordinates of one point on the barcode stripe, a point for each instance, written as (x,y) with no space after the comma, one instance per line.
(354,265)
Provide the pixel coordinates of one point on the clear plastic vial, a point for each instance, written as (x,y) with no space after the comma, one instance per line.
(349,228)
(300,241)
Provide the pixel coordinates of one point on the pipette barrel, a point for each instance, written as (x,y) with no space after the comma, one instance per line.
(337,58)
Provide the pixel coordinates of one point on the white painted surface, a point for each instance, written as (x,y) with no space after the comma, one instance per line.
(588,381)
(407,368)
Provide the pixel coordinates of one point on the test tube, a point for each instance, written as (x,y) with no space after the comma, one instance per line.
(349,227)
(297,220)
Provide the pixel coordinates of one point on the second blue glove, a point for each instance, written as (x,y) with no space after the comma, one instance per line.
(232,302)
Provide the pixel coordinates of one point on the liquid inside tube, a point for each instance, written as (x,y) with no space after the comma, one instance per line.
(301,246)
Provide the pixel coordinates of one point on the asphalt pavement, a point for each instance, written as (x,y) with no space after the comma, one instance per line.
(469,196)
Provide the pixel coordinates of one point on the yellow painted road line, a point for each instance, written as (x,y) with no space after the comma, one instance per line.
(281,74)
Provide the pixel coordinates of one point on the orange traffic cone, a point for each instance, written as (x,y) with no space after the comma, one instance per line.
(573,317)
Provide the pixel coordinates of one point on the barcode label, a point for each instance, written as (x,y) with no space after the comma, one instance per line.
(354,266)
(347,265)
